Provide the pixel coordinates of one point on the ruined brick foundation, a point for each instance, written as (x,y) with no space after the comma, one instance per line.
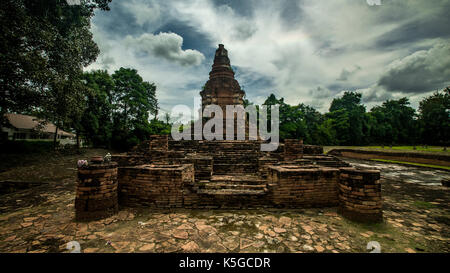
(360,195)
(96,195)
(163,173)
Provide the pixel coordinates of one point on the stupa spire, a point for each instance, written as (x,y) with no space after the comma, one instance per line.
(222,88)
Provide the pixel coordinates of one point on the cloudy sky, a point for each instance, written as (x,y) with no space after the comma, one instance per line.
(306,51)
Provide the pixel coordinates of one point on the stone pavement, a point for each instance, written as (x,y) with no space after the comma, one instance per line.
(416,220)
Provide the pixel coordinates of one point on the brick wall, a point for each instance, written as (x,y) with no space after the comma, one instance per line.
(164,174)
(293,149)
(130,160)
(203,165)
(159,142)
(312,150)
(263,165)
(154,185)
(303,186)
(96,193)
(360,195)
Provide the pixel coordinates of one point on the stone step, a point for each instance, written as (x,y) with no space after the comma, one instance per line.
(234,152)
(232,186)
(240,164)
(231,192)
(234,161)
(238,179)
(332,163)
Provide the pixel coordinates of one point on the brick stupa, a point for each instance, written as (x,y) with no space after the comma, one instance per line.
(222,88)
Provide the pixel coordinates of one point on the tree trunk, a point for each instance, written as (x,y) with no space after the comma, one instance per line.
(55,137)
(78,141)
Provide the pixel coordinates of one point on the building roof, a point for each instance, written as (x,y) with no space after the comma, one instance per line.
(33,123)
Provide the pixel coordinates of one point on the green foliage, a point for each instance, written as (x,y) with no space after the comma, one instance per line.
(348,115)
(133,100)
(302,122)
(118,108)
(44,46)
(434,118)
(96,121)
(394,122)
(348,123)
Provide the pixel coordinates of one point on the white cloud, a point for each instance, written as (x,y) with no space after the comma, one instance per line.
(165,45)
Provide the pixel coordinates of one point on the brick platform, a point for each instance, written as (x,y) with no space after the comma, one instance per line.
(96,194)
(303,186)
(160,186)
(293,149)
(360,195)
(235,174)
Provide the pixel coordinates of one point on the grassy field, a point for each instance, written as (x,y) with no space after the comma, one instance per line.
(411,148)
(419,149)
(413,163)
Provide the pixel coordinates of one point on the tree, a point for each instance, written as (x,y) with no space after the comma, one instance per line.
(45,45)
(96,121)
(394,122)
(133,99)
(348,115)
(434,118)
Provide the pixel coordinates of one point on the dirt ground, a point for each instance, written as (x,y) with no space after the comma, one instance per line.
(41,219)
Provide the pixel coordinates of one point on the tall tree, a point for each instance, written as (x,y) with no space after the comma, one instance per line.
(133,99)
(96,122)
(394,122)
(44,46)
(348,116)
(434,117)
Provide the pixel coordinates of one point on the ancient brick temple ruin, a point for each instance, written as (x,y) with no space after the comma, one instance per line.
(164,173)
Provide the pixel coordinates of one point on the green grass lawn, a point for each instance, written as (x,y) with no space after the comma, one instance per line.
(412,163)
(419,149)
(411,148)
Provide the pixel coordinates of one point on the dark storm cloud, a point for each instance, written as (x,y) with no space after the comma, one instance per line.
(244,31)
(427,28)
(336,87)
(191,37)
(375,95)
(290,13)
(117,21)
(346,74)
(254,83)
(419,72)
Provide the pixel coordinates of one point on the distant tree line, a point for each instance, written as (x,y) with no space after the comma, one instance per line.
(348,122)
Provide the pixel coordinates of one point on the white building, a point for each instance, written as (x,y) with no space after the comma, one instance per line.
(24,127)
